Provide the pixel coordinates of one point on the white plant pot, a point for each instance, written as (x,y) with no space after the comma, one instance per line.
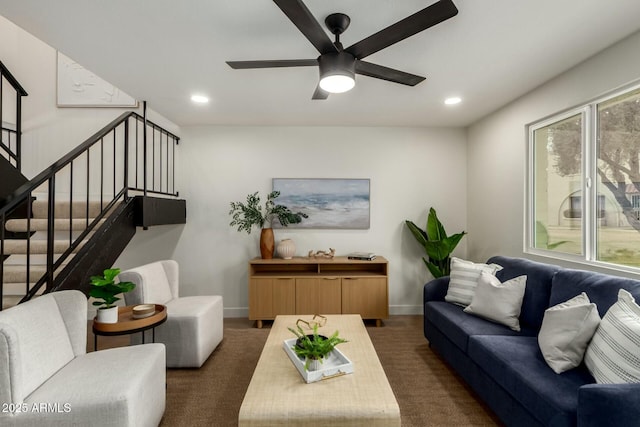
(286,248)
(314,365)
(107,315)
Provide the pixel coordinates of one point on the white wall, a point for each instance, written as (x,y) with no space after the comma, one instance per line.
(410,169)
(497,148)
(49,132)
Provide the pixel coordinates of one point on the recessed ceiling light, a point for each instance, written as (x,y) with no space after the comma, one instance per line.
(453,100)
(199,99)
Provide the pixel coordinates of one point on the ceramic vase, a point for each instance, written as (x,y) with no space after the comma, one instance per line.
(286,248)
(107,315)
(267,244)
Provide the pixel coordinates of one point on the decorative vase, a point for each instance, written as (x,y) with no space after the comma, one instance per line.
(286,248)
(107,315)
(267,244)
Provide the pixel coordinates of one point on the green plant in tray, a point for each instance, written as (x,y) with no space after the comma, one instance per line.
(313,346)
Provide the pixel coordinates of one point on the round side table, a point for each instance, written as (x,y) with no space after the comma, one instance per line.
(126,324)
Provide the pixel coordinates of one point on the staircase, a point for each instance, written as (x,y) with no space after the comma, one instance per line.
(31,250)
(76,217)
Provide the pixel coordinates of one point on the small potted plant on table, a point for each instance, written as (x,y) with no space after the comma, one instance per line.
(313,347)
(104,289)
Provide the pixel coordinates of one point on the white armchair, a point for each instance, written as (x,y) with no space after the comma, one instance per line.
(47,378)
(194,325)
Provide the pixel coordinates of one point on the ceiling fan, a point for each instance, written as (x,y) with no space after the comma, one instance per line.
(338,66)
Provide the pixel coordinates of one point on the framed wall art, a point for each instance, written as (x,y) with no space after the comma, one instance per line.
(330,203)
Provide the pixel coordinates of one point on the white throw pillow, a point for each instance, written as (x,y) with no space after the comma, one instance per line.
(566,331)
(463,278)
(498,302)
(613,356)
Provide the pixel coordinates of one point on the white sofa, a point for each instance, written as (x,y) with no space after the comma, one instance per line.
(48,379)
(194,325)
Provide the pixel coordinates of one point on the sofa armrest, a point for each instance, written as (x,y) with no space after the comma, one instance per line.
(73,310)
(436,289)
(608,404)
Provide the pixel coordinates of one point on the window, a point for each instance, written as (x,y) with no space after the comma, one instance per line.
(584,183)
(557,185)
(635,201)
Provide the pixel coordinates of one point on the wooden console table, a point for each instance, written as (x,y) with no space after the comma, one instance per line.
(305,285)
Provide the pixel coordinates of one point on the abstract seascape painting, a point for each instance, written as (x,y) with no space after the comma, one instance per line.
(330,203)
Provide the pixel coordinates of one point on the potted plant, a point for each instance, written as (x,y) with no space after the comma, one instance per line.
(246,215)
(104,289)
(313,348)
(436,243)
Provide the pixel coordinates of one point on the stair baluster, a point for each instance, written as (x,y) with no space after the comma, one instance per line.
(103,175)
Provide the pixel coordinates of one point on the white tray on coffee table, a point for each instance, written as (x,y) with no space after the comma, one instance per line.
(334,365)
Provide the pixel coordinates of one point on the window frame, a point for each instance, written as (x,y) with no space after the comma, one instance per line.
(588,112)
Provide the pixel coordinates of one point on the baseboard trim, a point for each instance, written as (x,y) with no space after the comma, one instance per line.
(405,309)
(235,312)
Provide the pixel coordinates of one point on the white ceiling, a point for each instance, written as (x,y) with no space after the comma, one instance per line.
(163,51)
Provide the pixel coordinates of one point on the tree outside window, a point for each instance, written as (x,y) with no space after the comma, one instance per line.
(558,202)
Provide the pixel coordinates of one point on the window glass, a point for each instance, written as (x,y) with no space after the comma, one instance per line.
(557,174)
(618,178)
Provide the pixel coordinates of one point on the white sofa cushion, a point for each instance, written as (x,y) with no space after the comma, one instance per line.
(464,278)
(566,331)
(498,302)
(194,325)
(612,356)
(156,289)
(37,346)
(119,387)
(194,328)
(156,283)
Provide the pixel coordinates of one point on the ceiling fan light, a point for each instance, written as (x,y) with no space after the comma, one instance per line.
(337,72)
(337,83)
(199,99)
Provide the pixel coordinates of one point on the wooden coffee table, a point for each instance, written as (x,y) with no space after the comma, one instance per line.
(277,394)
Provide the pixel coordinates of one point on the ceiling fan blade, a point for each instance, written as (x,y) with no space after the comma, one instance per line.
(240,65)
(320,93)
(386,73)
(302,18)
(419,21)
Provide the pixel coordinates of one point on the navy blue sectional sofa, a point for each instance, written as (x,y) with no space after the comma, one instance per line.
(506,368)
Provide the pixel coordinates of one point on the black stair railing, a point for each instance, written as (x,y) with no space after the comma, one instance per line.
(10,121)
(129,156)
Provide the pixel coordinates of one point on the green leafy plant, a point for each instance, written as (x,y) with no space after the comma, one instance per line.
(105,289)
(436,243)
(542,238)
(314,347)
(245,216)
